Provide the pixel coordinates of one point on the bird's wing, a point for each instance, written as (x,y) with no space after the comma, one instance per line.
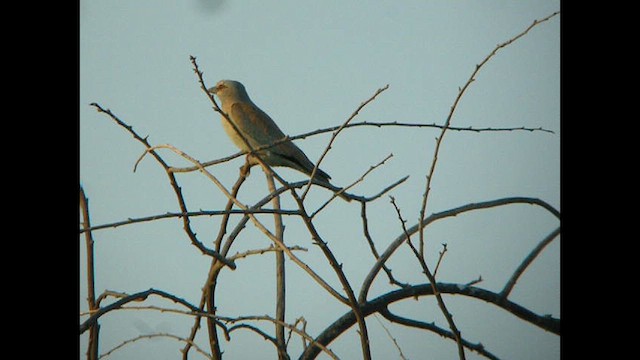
(261,130)
(255,123)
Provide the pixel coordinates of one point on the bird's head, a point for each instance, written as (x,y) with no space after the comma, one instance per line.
(229,90)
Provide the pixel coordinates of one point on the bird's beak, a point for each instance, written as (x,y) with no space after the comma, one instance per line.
(213,89)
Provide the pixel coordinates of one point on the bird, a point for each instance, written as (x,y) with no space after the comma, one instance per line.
(259,130)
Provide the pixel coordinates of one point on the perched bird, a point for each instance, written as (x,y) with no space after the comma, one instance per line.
(260,130)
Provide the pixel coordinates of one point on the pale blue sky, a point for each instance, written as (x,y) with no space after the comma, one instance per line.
(309,65)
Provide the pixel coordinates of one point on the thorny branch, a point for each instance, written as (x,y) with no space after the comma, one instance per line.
(432,280)
(527,261)
(335,134)
(437,149)
(479,348)
(379,304)
(361,124)
(174,185)
(164,335)
(260,226)
(393,246)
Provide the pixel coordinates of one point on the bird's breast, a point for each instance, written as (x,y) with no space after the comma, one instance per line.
(233,135)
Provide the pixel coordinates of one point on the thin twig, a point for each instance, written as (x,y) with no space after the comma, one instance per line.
(170,215)
(432,281)
(288,326)
(337,131)
(395,342)
(479,348)
(391,248)
(303,321)
(105,294)
(337,268)
(264,335)
(473,282)
(259,225)
(353,125)
(372,246)
(232,320)
(151,336)
(133,297)
(416,125)
(527,261)
(440,256)
(271,248)
(342,324)
(360,179)
(450,116)
(174,185)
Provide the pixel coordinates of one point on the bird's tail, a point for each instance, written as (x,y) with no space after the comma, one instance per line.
(323,177)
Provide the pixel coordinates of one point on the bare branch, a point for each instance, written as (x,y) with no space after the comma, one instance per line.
(479,348)
(271,248)
(258,224)
(416,125)
(134,297)
(288,326)
(432,280)
(174,185)
(170,215)
(209,288)
(337,268)
(255,330)
(527,261)
(303,321)
(440,256)
(443,215)
(372,246)
(395,342)
(151,336)
(342,324)
(337,131)
(371,168)
(359,124)
(450,116)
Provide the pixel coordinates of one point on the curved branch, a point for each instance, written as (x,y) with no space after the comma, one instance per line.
(337,268)
(335,135)
(301,333)
(140,296)
(527,261)
(174,185)
(266,336)
(442,215)
(545,322)
(479,348)
(432,280)
(151,336)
